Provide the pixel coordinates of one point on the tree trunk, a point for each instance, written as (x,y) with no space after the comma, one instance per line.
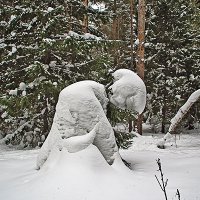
(132,34)
(130,125)
(139,123)
(163,117)
(85,19)
(141,38)
(140,51)
(45,130)
(132,49)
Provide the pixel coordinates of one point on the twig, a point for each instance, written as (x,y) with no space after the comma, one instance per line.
(162,183)
(178,194)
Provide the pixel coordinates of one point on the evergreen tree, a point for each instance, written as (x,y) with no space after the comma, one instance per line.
(172,56)
(43,49)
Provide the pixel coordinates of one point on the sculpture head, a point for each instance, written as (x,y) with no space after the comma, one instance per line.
(128,91)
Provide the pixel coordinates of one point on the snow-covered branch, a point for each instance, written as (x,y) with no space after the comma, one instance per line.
(183,110)
(179,116)
(20,128)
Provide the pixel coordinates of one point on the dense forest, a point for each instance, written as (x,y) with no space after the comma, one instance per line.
(47,45)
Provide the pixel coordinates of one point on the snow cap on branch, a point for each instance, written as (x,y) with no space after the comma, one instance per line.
(128,91)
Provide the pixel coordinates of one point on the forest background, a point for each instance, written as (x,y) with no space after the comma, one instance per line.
(47,45)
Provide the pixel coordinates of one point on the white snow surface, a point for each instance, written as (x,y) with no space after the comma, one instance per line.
(86,36)
(86,175)
(13,92)
(12,18)
(129,91)
(73,34)
(22,86)
(24,93)
(14,49)
(137,42)
(50,9)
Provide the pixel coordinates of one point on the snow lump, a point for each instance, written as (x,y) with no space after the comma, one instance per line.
(128,91)
(80,117)
(80,107)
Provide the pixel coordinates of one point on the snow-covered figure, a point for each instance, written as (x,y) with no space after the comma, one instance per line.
(80,117)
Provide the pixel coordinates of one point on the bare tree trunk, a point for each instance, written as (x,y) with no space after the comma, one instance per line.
(85,19)
(45,121)
(139,123)
(130,125)
(163,117)
(132,49)
(140,51)
(132,34)
(141,38)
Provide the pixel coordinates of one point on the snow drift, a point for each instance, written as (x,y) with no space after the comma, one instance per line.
(72,176)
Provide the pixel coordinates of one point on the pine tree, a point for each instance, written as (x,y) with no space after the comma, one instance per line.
(172,56)
(43,49)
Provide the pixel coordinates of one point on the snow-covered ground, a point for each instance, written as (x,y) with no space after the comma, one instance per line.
(85,175)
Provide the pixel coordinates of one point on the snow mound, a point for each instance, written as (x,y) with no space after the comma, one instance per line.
(77,176)
(128,91)
(80,107)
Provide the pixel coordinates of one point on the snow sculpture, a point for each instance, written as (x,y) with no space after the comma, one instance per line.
(80,117)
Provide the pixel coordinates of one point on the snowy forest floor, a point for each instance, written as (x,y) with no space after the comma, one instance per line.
(89,178)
